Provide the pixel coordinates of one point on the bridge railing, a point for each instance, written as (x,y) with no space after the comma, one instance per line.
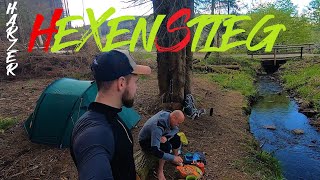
(283,52)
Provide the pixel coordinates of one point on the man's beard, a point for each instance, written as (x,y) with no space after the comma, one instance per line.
(126,101)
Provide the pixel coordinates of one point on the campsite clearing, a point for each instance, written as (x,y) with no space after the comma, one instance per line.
(224,137)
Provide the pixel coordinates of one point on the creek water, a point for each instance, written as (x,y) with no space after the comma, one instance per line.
(299,155)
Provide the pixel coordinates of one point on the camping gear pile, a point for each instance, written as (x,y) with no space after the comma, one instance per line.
(193,163)
(193,166)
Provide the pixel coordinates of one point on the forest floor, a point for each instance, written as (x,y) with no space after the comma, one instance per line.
(224,137)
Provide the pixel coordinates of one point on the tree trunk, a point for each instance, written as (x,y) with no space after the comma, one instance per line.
(144,162)
(22,34)
(218,42)
(189,54)
(213,7)
(174,68)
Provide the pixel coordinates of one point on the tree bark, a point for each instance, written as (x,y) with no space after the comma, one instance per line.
(189,55)
(173,67)
(213,7)
(144,162)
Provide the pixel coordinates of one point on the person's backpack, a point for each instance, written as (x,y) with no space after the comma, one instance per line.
(190,109)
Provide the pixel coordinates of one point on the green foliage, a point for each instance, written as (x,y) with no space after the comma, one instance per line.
(219,6)
(286,6)
(6,123)
(314,11)
(297,28)
(315,35)
(304,78)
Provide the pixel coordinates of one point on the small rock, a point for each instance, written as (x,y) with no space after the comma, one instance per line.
(315,123)
(270,127)
(298,131)
(304,105)
(300,101)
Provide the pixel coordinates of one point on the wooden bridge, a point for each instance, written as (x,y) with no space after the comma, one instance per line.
(282,52)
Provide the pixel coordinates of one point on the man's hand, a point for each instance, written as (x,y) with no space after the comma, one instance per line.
(178,160)
(163,139)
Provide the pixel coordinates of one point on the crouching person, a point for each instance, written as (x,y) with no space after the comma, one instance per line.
(159,136)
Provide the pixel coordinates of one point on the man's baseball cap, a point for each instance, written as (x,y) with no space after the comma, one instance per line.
(109,66)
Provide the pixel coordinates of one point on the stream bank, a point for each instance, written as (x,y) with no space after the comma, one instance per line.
(275,118)
(301,79)
(243,80)
(283,131)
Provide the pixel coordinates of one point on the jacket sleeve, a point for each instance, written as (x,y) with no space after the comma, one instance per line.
(173,132)
(94,151)
(156,135)
(97,165)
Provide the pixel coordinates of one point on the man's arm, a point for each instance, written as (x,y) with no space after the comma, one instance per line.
(156,135)
(96,164)
(173,132)
(93,151)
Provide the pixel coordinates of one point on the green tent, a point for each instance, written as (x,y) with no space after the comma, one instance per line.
(60,106)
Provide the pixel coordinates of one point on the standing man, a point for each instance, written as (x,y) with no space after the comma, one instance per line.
(159,136)
(101,144)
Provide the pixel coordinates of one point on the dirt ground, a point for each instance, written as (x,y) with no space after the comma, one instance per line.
(221,136)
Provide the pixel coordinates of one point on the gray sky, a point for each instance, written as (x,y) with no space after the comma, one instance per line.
(100,6)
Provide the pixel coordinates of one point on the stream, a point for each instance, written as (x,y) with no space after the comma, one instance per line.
(299,155)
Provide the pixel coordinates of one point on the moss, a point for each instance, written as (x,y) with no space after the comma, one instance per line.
(6,123)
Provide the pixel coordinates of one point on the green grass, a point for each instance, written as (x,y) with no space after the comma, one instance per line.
(262,165)
(6,123)
(243,61)
(239,80)
(143,77)
(142,55)
(258,163)
(303,77)
(81,75)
